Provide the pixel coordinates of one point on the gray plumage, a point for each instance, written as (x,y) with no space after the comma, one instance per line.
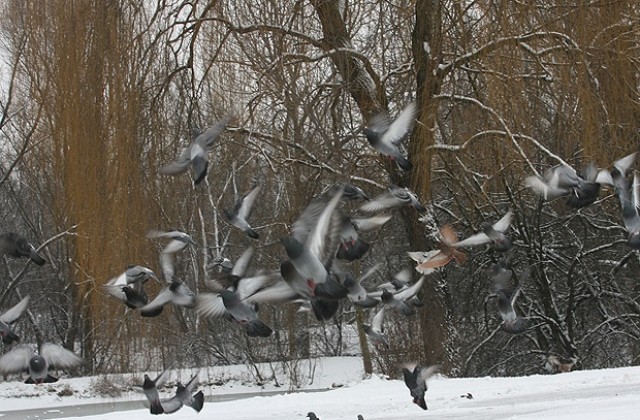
(312,416)
(415,377)
(494,234)
(176,293)
(184,396)
(197,153)
(242,210)
(629,197)
(16,245)
(375,331)
(507,293)
(386,136)
(395,197)
(128,287)
(24,358)
(150,388)
(177,242)
(8,318)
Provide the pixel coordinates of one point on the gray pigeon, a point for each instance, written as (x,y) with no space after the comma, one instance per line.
(415,377)
(307,248)
(128,287)
(494,234)
(394,198)
(375,331)
(629,196)
(386,137)
(177,293)
(8,318)
(507,295)
(197,154)
(232,303)
(24,358)
(16,245)
(184,396)
(178,241)
(401,301)
(312,416)
(234,271)
(150,388)
(241,211)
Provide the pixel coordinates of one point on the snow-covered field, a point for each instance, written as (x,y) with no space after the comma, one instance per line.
(584,395)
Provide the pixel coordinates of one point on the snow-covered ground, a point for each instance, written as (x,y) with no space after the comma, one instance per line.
(584,395)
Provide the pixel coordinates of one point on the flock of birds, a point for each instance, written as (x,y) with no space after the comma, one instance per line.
(323,241)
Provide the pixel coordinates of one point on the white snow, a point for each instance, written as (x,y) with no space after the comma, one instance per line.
(584,395)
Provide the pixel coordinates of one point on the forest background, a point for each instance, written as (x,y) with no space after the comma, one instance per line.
(97,95)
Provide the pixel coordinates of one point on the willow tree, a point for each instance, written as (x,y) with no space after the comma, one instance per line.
(88,64)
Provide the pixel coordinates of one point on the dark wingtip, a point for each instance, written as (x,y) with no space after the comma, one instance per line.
(421,403)
(258,328)
(253,234)
(156,408)
(36,258)
(198,401)
(152,313)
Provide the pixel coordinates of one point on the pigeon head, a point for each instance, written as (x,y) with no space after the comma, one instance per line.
(37,364)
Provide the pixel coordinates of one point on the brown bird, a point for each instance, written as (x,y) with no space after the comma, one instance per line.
(427,261)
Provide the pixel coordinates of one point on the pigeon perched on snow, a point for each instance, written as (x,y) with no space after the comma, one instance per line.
(150,388)
(24,358)
(241,211)
(494,234)
(629,196)
(386,137)
(197,154)
(16,245)
(394,198)
(375,331)
(415,377)
(312,416)
(184,396)
(8,318)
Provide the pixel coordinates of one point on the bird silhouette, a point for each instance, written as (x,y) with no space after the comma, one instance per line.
(242,210)
(197,153)
(8,318)
(386,136)
(16,245)
(415,377)
(50,356)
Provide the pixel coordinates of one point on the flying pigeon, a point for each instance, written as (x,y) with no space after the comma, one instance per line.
(150,388)
(507,295)
(352,247)
(494,234)
(24,358)
(241,211)
(129,286)
(400,282)
(184,396)
(629,196)
(306,250)
(375,331)
(16,245)
(231,305)
(178,242)
(177,293)
(415,377)
(386,137)
(445,253)
(197,153)
(400,301)
(394,198)
(580,189)
(234,272)
(8,318)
